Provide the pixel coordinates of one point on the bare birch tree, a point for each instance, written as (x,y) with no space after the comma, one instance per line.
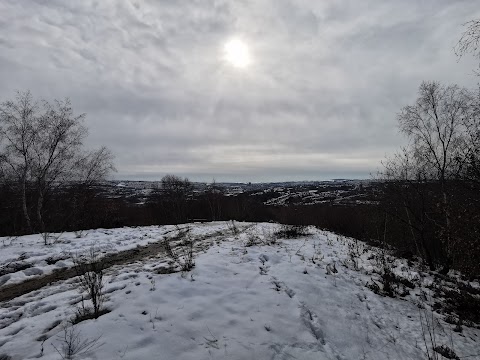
(41,147)
(438,125)
(58,143)
(470,41)
(17,137)
(441,128)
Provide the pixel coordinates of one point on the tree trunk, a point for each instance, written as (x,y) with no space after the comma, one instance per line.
(448,234)
(428,255)
(39,214)
(24,204)
(414,238)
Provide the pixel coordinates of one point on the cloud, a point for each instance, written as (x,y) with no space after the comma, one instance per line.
(318,101)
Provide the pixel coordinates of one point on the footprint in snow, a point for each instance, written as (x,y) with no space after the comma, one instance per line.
(43,310)
(15,331)
(312,322)
(32,271)
(280,285)
(289,292)
(263,268)
(52,326)
(361,297)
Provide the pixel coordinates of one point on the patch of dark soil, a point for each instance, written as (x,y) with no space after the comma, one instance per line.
(10,292)
(88,315)
(14,267)
(165,270)
(292,231)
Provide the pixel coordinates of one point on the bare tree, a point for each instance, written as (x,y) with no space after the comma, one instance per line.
(214,195)
(469,43)
(90,168)
(470,40)
(57,144)
(471,170)
(17,137)
(94,166)
(441,128)
(176,192)
(405,198)
(41,147)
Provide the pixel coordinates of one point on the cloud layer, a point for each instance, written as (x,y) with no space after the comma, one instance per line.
(318,101)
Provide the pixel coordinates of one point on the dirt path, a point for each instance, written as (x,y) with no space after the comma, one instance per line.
(10,292)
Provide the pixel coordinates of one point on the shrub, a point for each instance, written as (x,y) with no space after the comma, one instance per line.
(392,284)
(73,344)
(182,254)
(458,300)
(232,227)
(292,231)
(252,240)
(446,352)
(90,269)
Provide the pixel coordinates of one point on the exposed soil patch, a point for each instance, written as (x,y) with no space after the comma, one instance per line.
(13,267)
(10,292)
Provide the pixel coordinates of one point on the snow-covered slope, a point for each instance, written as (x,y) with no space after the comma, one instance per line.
(300,298)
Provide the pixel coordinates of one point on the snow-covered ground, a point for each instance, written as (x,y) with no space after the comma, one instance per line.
(299,298)
(25,257)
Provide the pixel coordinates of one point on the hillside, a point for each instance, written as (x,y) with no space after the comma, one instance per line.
(253,294)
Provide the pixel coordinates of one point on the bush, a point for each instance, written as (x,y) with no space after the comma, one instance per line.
(182,254)
(252,240)
(232,227)
(459,300)
(391,283)
(89,269)
(292,231)
(73,344)
(446,352)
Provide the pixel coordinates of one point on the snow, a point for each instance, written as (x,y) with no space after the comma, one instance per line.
(33,258)
(267,301)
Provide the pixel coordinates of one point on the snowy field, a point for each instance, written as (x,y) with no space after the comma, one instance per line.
(250,296)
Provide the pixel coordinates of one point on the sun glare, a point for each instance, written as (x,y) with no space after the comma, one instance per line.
(236,53)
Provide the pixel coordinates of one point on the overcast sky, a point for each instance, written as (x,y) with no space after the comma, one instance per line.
(318,99)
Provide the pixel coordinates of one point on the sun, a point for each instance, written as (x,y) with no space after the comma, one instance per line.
(236,53)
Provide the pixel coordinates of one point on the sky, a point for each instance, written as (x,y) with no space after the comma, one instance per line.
(310,91)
